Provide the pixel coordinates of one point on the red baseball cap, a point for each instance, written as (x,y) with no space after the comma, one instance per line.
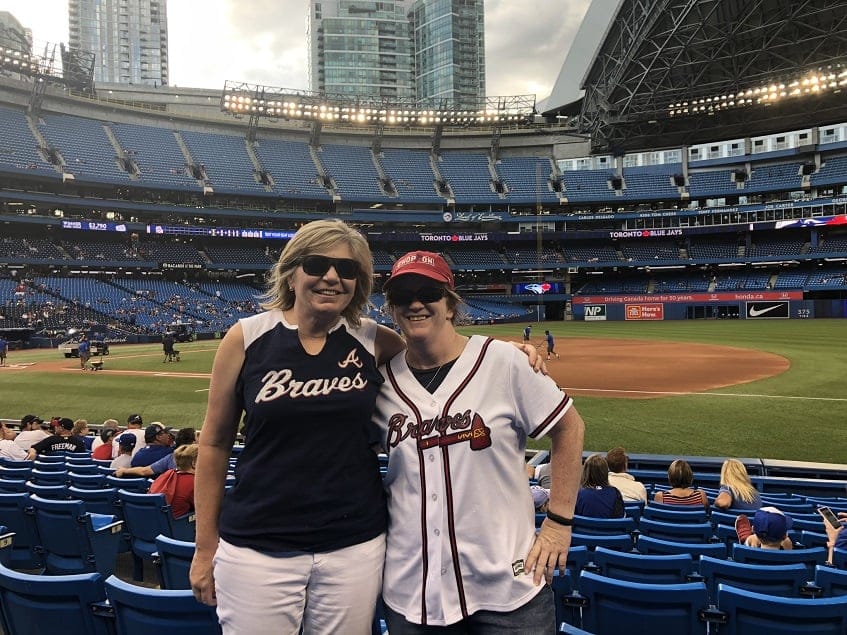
(424,263)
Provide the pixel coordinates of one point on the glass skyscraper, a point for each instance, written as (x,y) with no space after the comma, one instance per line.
(129,39)
(430,51)
(449,51)
(361,48)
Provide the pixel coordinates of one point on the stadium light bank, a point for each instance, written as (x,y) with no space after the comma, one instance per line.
(255,100)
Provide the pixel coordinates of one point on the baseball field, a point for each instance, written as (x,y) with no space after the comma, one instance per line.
(749,388)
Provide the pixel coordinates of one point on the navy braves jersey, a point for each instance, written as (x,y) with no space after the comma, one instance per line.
(461,515)
(307,479)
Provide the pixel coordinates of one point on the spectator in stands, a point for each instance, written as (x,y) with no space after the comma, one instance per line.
(540,498)
(31,432)
(178,484)
(596,497)
(81,430)
(681,477)
(185,436)
(159,443)
(60,442)
(473,397)
(630,489)
(769,529)
(10,450)
(305,372)
(836,537)
(736,489)
(541,473)
(103,452)
(126,445)
(133,426)
(108,424)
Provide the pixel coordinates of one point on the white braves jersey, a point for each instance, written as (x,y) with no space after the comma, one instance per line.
(461,518)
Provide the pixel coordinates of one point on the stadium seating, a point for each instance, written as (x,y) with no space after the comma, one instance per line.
(637,567)
(140,611)
(750,613)
(649,545)
(74,540)
(173,557)
(773,579)
(42,604)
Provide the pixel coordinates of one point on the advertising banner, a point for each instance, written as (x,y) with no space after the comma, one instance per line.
(767,310)
(653,311)
(595,313)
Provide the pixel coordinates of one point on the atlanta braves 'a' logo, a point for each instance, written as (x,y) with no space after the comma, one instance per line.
(351,359)
(469,427)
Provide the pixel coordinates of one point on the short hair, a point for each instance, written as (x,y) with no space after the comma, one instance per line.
(185,456)
(184,436)
(595,472)
(111,423)
(680,474)
(617,459)
(311,238)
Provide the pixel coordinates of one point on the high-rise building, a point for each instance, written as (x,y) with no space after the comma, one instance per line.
(361,48)
(424,50)
(449,51)
(129,39)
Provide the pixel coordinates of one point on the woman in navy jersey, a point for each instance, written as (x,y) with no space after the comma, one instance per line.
(299,541)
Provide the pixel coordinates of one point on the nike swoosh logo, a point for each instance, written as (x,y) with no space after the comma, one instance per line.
(754,312)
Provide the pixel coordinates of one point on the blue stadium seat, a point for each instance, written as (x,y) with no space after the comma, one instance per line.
(53,492)
(615,606)
(677,532)
(638,567)
(174,560)
(784,580)
(832,581)
(619,542)
(809,557)
(652,512)
(87,481)
(141,611)
(749,613)
(74,540)
(40,604)
(603,526)
(18,516)
(131,484)
(148,516)
(649,545)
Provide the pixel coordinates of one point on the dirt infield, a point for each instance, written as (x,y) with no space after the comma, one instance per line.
(638,369)
(632,369)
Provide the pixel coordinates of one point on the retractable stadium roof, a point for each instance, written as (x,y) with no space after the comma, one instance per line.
(660,58)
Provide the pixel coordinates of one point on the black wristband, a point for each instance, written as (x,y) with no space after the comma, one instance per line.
(561,520)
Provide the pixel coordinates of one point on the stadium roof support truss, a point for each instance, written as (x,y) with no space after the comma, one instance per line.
(662,52)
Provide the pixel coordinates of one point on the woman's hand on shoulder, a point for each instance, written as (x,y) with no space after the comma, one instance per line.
(535,360)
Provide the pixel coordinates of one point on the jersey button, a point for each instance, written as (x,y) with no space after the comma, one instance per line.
(437,532)
(435,497)
(444,572)
(431,458)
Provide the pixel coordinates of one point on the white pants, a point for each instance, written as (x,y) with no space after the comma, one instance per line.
(330,592)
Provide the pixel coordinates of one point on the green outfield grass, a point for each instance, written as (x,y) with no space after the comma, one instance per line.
(800,414)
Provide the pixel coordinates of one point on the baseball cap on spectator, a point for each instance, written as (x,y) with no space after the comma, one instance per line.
(67,424)
(28,419)
(771,524)
(152,431)
(134,419)
(424,263)
(127,440)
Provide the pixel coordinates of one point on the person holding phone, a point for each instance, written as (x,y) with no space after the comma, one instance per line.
(836,537)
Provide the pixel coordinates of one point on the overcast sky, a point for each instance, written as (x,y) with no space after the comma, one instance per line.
(264,41)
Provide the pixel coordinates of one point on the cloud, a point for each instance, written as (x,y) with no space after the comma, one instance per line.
(526,43)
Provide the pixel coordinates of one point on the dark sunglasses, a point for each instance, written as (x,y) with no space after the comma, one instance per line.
(403,297)
(315,265)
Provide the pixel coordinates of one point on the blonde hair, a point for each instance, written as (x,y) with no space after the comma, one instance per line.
(313,238)
(79,426)
(734,476)
(185,456)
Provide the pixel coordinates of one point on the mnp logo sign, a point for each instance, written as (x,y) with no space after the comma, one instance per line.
(595,312)
(768,310)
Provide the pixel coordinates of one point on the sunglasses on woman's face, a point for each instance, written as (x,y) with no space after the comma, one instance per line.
(403,297)
(315,265)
